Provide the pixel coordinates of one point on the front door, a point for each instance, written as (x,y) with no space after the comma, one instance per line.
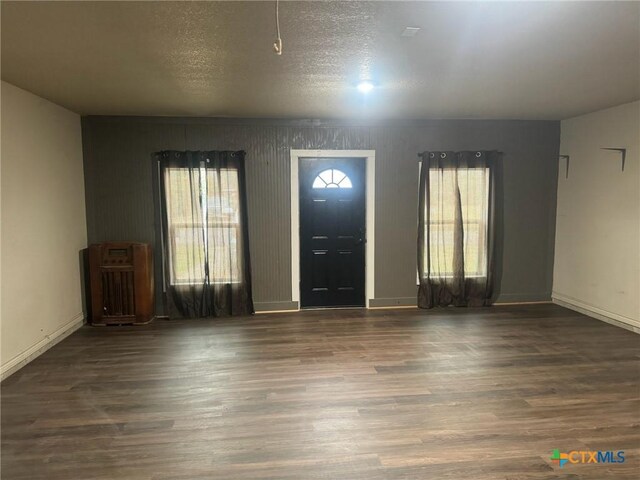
(332,232)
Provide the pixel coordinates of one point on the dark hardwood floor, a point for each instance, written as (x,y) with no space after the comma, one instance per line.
(344,394)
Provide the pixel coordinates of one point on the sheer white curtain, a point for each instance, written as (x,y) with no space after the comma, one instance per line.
(195,198)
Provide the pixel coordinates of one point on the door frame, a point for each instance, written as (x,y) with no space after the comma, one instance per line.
(370,186)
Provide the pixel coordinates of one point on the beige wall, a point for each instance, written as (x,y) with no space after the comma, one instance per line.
(43,225)
(597,255)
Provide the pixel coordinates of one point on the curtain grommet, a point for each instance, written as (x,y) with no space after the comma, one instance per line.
(478,154)
(443,155)
(431,155)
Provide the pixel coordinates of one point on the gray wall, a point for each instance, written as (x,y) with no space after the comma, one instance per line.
(120,201)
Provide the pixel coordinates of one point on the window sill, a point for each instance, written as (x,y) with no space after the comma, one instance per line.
(466,277)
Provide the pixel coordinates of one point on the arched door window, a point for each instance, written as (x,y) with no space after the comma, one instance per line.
(332,178)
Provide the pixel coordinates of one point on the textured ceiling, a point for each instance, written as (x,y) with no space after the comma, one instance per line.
(490,60)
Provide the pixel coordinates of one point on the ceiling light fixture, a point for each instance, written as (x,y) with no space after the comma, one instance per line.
(365,87)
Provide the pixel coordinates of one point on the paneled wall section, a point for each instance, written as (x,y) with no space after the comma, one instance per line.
(120,201)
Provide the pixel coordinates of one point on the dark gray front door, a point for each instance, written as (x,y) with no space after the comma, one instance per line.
(332,232)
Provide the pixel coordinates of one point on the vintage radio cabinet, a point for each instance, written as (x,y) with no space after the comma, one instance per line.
(120,283)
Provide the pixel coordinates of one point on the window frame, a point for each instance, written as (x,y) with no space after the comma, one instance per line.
(333,184)
(211,223)
(475,275)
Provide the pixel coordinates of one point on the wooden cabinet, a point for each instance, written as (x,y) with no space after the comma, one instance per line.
(120,283)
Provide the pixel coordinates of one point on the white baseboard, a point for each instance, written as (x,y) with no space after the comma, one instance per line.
(595,312)
(20,360)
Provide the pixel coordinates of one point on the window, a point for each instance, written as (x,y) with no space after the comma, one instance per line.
(199,198)
(332,178)
(473,187)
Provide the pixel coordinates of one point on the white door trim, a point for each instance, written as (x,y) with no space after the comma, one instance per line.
(370,165)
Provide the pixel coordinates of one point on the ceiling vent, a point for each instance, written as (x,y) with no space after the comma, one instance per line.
(410,31)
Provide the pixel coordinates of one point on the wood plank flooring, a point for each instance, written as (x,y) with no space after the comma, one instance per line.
(345,394)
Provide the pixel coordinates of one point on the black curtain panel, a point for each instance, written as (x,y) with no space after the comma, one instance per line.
(456,228)
(205,234)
